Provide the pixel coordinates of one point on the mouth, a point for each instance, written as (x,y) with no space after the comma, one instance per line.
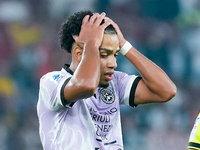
(108,75)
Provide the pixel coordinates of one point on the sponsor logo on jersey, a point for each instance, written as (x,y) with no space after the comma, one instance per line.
(107,96)
(58,77)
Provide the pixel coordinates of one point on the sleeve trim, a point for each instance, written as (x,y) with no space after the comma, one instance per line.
(132,93)
(195,145)
(63,100)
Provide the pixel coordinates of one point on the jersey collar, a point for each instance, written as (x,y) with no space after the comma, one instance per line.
(66,67)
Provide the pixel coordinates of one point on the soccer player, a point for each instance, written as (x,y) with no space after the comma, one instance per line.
(79,106)
(194,140)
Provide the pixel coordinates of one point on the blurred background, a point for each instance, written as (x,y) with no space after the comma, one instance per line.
(165,31)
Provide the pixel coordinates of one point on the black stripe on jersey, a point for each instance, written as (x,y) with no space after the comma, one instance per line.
(106,143)
(110,143)
(192,144)
(64,102)
(99,140)
(132,93)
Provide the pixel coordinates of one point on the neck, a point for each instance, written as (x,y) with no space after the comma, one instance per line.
(73,66)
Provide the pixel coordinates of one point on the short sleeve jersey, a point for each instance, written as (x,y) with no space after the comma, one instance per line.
(194,140)
(89,124)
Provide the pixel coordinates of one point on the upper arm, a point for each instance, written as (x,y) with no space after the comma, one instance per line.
(143,95)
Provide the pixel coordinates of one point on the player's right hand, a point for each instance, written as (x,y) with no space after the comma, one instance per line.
(91,30)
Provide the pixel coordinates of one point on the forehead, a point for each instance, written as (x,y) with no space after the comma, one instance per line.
(110,41)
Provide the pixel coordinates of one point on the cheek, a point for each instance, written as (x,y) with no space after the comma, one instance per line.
(103,65)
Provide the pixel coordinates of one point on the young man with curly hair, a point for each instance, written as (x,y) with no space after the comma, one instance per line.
(79,106)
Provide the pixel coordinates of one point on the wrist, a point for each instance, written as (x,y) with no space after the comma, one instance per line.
(125,48)
(92,43)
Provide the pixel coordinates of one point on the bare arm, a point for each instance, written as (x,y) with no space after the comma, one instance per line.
(155,85)
(86,75)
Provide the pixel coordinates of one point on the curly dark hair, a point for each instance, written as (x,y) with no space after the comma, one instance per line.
(72,26)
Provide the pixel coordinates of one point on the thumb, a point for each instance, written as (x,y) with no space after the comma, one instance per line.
(75,37)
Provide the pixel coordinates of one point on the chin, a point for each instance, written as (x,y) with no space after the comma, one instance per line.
(103,85)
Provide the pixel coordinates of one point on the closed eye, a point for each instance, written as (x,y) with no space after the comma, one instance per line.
(103,55)
(105,52)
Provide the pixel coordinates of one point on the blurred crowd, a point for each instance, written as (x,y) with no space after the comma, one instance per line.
(165,31)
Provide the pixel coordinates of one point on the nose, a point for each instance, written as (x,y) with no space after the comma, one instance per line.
(112,63)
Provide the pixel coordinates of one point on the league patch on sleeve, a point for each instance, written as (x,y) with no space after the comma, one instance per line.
(57,77)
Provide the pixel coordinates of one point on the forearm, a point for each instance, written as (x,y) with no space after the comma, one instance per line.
(154,77)
(86,77)
(155,85)
(89,67)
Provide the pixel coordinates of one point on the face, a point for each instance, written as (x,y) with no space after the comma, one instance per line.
(108,51)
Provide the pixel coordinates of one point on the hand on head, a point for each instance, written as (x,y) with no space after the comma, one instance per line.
(121,38)
(92,29)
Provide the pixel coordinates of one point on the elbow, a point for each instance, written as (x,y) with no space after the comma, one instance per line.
(173,91)
(76,90)
(169,94)
(89,89)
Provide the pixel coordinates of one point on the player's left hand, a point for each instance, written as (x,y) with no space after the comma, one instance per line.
(121,38)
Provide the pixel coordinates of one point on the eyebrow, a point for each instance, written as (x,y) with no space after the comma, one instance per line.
(108,49)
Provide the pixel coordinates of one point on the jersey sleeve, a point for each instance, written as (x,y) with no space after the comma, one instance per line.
(50,90)
(126,85)
(194,140)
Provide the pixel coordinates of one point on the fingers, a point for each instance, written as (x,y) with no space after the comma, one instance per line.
(85,19)
(106,23)
(94,19)
(100,18)
(107,19)
(121,38)
(112,23)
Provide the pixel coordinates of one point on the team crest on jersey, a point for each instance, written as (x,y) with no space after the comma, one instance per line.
(107,96)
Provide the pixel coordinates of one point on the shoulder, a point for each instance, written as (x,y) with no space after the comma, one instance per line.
(54,77)
(119,74)
(49,76)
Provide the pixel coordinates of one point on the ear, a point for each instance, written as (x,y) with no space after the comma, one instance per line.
(77,53)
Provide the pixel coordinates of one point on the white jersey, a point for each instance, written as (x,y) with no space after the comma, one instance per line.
(88,124)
